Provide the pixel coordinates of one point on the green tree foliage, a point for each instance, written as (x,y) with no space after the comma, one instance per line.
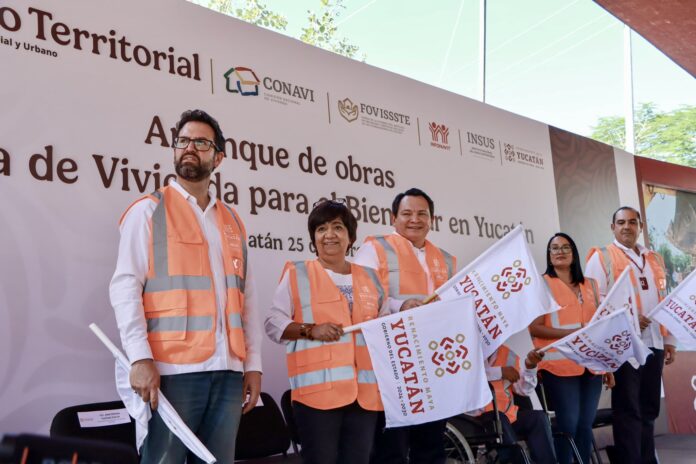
(251,11)
(666,136)
(321,29)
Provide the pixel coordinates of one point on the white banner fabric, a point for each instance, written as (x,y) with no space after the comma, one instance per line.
(508,291)
(621,296)
(428,362)
(605,344)
(677,312)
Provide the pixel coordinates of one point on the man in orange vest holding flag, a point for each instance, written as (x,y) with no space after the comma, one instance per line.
(185,303)
(410,268)
(635,400)
(509,375)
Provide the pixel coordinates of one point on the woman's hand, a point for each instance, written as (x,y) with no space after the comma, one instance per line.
(327,332)
(608,380)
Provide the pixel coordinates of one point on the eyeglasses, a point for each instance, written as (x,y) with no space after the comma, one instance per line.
(198,144)
(565,249)
(336,201)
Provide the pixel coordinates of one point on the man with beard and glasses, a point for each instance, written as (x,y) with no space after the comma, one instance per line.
(185,302)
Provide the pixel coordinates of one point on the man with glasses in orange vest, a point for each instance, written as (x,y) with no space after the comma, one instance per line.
(635,400)
(411,268)
(185,303)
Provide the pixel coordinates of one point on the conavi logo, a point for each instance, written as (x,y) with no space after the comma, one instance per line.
(242,80)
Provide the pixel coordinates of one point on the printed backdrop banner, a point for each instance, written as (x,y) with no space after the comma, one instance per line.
(428,362)
(677,312)
(91,90)
(508,291)
(605,344)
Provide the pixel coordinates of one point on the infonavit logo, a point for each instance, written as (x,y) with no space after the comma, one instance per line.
(511,279)
(242,80)
(449,355)
(439,134)
(348,109)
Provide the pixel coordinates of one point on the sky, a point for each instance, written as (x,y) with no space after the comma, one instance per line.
(557,61)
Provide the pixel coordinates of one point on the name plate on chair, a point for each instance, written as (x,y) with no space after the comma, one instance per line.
(90,419)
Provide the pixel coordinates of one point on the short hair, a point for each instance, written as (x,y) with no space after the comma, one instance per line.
(202,116)
(613,217)
(575,268)
(327,211)
(412,192)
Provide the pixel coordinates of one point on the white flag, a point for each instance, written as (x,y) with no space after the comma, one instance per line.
(605,344)
(428,362)
(677,312)
(621,296)
(508,291)
(142,414)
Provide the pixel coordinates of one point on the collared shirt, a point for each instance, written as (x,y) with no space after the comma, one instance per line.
(126,290)
(651,336)
(524,386)
(367,256)
(280,316)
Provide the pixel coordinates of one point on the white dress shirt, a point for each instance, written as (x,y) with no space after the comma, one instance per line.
(281,314)
(651,336)
(367,256)
(126,290)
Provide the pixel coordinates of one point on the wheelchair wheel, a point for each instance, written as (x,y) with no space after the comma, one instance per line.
(457,450)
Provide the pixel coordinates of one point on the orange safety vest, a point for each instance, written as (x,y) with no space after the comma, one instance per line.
(179,293)
(328,375)
(503,394)
(572,315)
(400,270)
(614,261)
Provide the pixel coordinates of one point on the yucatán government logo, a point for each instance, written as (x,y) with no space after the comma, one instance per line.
(242,80)
(619,343)
(449,355)
(511,279)
(348,109)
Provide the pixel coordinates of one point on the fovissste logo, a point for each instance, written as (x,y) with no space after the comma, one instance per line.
(348,110)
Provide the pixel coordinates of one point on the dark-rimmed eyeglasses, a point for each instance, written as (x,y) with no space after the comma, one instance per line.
(198,144)
(561,250)
(336,201)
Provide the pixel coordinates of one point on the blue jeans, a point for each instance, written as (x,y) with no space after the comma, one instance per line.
(574,399)
(210,403)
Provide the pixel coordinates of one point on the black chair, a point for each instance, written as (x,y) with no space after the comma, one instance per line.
(262,432)
(482,434)
(286,405)
(66,423)
(603,418)
(525,403)
(35,449)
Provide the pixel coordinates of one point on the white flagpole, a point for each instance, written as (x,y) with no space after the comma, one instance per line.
(167,412)
(571,335)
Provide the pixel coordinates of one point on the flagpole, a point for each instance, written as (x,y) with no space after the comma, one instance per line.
(676,290)
(480,258)
(569,336)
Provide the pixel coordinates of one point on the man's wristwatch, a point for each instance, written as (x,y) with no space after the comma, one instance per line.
(306,331)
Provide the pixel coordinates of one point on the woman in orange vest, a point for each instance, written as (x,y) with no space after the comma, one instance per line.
(572,391)
(334,390)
